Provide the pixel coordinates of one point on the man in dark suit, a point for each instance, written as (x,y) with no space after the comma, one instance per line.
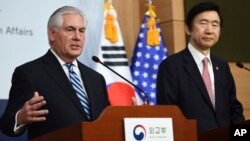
(42,98)
(196,81)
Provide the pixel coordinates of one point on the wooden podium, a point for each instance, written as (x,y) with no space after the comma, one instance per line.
(110,125)
(219,134)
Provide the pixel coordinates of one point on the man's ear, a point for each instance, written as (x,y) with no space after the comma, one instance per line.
(188,32)
(51,34)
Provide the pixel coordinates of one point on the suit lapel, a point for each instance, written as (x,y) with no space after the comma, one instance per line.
(194,72)
(56,72)
(218,90)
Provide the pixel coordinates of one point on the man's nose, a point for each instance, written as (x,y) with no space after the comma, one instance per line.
(77,35)
(208,29)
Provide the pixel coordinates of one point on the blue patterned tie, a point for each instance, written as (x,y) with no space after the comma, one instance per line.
(76,84)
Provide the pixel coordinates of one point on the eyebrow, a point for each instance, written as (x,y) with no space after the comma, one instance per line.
(213,21)
(70,26)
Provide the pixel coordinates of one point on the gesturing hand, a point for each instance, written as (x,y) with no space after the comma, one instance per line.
(135,103)
(30,111)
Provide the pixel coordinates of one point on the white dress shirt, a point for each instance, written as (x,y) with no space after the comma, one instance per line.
(198,57)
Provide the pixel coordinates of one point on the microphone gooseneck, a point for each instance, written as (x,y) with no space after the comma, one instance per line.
(97,60)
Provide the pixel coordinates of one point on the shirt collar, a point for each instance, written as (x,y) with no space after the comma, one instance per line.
(198,56)
(61,61)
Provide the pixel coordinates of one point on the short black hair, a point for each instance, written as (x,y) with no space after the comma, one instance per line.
(202,7)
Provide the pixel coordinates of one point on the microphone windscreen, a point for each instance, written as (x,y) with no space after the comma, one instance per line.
(240,65)
(96,59)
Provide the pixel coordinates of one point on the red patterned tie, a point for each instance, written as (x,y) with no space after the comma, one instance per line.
(207,80)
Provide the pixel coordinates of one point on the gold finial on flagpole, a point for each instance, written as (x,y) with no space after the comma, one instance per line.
(151,9)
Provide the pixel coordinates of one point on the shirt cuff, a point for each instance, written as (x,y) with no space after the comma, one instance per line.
(20,128)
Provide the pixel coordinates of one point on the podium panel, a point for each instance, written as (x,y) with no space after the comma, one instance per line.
(219,134)
(110,126)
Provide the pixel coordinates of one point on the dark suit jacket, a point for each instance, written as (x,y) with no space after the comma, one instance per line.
(179,82)
(46,76)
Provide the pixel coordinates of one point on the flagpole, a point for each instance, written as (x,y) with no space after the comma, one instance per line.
(112,52)
(110,1)
(149,51)
(149,1)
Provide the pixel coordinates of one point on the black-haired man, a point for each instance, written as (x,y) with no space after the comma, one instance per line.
(198,82)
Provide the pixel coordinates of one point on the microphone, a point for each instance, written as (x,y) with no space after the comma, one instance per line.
(240,65)
(97,60)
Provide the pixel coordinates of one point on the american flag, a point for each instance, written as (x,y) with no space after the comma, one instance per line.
(145,63)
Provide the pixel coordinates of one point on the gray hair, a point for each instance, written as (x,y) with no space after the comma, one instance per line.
(56,19)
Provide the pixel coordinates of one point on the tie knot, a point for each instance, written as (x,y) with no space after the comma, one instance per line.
(205,61)
(69,66)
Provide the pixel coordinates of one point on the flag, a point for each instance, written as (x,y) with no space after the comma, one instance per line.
(112,53)
(149,51)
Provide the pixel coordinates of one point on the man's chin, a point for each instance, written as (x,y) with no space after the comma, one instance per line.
(75,54)
(208,45)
